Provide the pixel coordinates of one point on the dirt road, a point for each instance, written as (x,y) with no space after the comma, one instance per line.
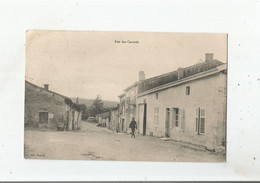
(97,143)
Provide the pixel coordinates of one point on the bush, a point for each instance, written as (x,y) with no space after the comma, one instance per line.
(60,126)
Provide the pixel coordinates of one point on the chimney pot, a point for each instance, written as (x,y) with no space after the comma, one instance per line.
(208,57)
(46,86)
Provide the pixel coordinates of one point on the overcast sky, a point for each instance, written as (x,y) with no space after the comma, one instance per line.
(84,64)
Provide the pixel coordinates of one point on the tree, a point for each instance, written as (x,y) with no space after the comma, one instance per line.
(85,112)
(97,107)
(83,108)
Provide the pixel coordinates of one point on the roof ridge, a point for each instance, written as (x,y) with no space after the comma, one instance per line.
(194,65)
(73,105)
(46,89)
(177,74)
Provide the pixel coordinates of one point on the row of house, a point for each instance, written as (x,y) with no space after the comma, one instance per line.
(110,119)
(45,108)
(188,104)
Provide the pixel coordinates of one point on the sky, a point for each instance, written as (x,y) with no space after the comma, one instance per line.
(86,64)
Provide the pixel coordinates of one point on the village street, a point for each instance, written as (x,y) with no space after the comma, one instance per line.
(97,143)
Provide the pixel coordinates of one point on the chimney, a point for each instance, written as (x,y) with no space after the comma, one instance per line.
(46,86)
(208,57)
(77,100)
(141,76)
(180,73)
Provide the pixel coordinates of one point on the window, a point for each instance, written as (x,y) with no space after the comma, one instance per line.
(187,90)
(43,117)
(156,115)
(177,118)
(200,121)
(157,95)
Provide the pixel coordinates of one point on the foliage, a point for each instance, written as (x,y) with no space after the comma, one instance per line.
(97,107)
(85,111)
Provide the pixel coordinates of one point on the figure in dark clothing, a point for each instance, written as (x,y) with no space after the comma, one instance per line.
(133,126)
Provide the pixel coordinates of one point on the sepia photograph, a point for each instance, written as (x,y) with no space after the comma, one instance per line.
(125,96)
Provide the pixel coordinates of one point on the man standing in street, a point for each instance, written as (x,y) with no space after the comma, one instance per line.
(133,126)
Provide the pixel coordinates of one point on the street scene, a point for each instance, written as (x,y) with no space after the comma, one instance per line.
(125,96)
(97,143)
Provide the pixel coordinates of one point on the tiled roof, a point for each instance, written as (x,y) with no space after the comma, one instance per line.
(173,76)
(103,115)
(67,100)
(36,86)
(123,94)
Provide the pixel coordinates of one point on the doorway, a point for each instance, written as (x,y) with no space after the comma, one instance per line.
(43,117)
(167,123)
(140,118)
(123,125)
(144,120)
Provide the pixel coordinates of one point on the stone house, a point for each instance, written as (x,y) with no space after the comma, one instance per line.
(110,119)
(127,100)
(188,104)
(114,119)
(103,118)
(122,112)
(45,108)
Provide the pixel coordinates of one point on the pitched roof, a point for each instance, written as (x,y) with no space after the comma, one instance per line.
(36,86)
(67,100)
(103,114)
(173,76)
(131,86)
(123,94)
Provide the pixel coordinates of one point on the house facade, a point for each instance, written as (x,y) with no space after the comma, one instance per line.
(114,119)
(128,109)
(130,105)
(45,108)
(186,105)
(110,119)
(122,113)
(103,118)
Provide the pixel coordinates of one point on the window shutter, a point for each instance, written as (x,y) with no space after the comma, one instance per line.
(171,118)
(197,123)
(197,119)
(156,115)
(202,121)
(202,125)
(181,118)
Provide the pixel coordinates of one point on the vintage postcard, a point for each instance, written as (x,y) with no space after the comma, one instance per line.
(126,96)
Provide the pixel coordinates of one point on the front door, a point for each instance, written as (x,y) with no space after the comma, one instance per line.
(140,118)
(123,124)
(167,123)
(144,124)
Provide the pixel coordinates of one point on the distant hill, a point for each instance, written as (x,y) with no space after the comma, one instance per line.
(89,102)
